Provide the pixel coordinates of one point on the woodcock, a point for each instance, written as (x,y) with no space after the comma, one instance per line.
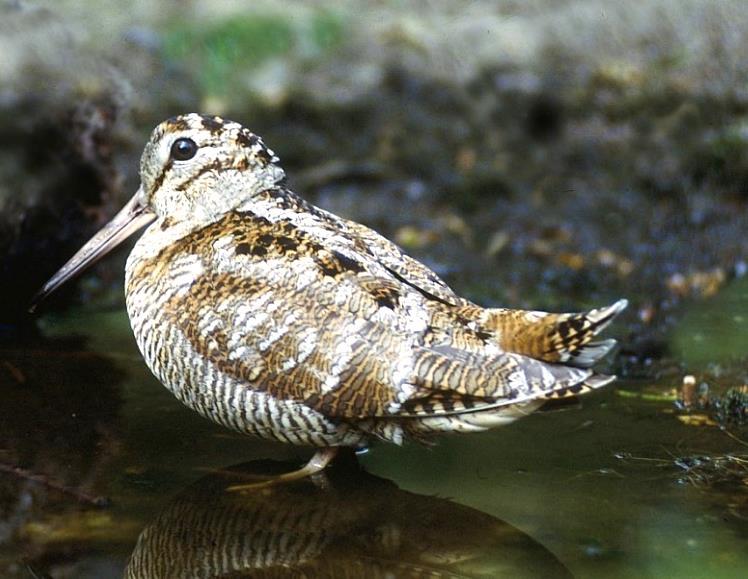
(277,319)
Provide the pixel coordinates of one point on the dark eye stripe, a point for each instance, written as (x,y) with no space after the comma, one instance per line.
(158,181)
(214,166)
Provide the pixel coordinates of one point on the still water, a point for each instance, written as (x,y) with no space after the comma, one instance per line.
(589,491)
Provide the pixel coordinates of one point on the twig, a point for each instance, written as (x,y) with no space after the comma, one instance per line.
(79,495)
(735,438)
(36,574)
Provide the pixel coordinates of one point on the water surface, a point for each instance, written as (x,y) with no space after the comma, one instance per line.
(547,496)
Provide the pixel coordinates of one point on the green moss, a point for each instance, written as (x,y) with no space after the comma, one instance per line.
(326,30)
(223,51)
(218,50)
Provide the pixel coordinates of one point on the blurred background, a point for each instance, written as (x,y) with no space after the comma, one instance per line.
(544,154)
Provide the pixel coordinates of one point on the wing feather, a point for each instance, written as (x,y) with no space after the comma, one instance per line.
(353,334)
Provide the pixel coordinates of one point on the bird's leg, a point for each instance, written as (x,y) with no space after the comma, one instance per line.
(315,465)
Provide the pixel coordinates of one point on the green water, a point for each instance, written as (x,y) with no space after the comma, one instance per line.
(545,497)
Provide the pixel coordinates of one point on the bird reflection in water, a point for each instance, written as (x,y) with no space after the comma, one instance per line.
(348,524)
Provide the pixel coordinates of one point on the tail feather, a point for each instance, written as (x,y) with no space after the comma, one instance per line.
(476,417)
(544,357)
(557,338)
(591,353)
(591,383)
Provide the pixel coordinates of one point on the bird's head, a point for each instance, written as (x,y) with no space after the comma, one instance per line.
(194,168)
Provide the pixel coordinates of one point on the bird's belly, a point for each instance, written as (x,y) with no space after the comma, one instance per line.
(216,395)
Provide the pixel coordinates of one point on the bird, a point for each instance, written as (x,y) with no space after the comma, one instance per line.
(357,526)
(275,318)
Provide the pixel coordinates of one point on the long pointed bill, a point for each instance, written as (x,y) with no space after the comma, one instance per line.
(130,219)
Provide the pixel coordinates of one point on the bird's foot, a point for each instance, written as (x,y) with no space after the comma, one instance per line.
(313,469)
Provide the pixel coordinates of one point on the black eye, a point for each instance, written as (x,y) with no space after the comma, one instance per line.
(183,149)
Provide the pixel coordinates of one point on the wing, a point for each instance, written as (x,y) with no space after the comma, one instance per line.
(297,343)
(279,311)
(403,267)
(282,206)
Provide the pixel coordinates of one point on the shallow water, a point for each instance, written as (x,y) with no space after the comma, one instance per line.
(549,496)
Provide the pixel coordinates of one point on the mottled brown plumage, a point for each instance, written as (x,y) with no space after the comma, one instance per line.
(278,319)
